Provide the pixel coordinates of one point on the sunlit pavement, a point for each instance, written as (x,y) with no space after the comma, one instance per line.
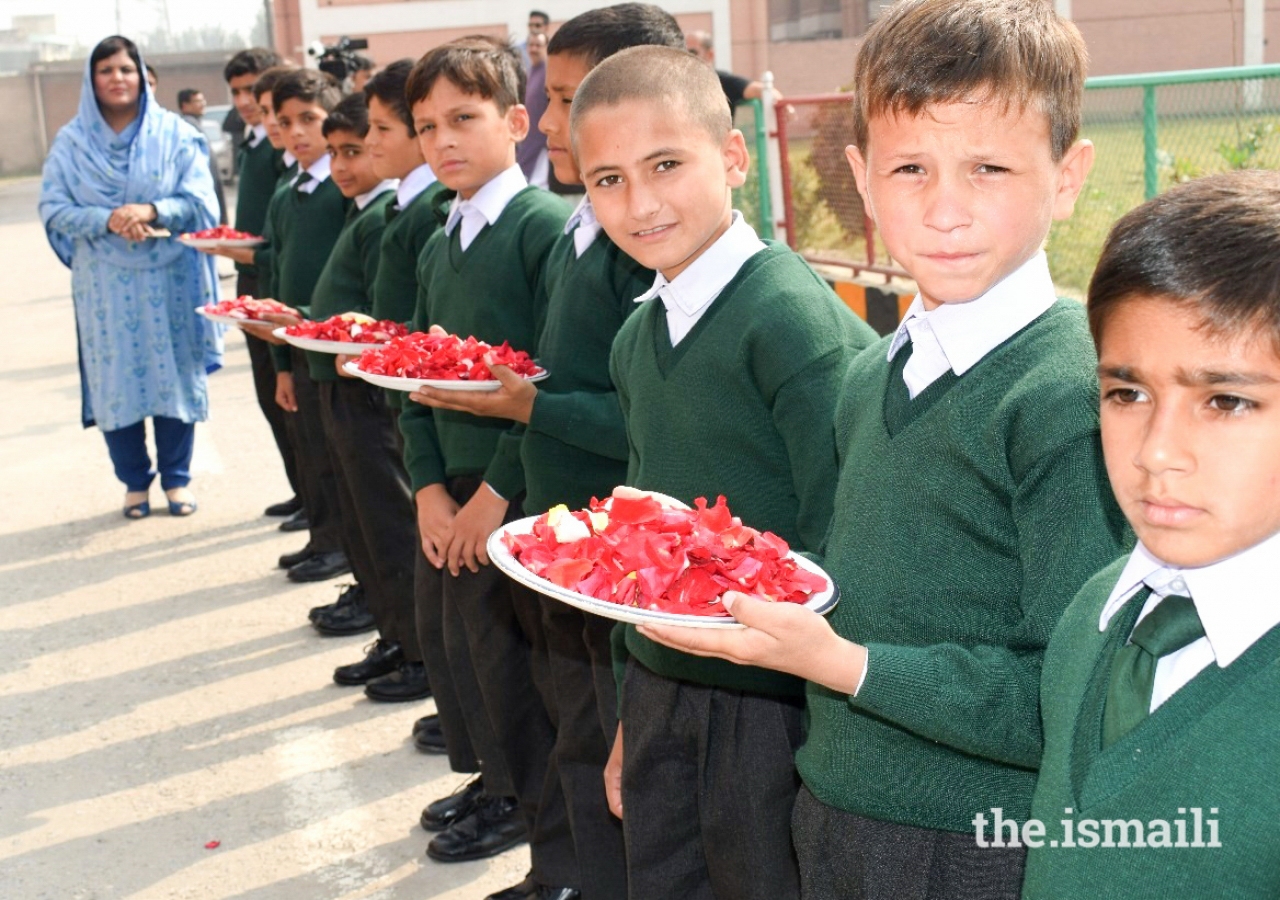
(168,725)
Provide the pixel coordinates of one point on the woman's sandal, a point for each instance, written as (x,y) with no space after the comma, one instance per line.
(136,510)
(180,507)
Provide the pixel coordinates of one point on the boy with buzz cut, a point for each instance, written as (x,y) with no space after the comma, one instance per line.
(483,274)
(574,445)
(304,220)
(971,502)
(728,376)
(1161,686)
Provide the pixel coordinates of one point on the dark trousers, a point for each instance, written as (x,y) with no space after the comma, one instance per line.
(708,787)
(264,387)
(376,503)
(501,624)
(175,441)
(315,471)
(585,708)
(849,857)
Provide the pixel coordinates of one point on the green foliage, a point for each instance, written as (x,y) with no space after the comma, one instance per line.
(1242,153)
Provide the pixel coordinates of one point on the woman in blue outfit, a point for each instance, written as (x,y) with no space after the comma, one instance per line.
(121,170)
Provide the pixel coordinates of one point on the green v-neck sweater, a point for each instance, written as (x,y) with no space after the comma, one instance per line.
(575,446)
(264,255)
(395,290)
(966,519)
(346,282)
(259,167)
(743,406)
(1210,747)
(304,229)
(496,292)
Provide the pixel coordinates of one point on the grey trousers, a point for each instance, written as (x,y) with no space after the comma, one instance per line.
(849,857)
(708,786)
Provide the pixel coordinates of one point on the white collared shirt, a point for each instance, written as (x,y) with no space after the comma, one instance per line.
(414,184)
(689,295)
(255,135)
(319,172)
(485,205)
(1234,597)
(584,226)
(387,184)
(288,159)
(956,336)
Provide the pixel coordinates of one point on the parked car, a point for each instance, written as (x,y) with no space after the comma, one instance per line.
(219,141)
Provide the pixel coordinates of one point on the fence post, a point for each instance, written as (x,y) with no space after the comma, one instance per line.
(779,178)
(1150,161)
(764,199)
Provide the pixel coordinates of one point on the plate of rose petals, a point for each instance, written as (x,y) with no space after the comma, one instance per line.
(240,310)
(442,361)
(221,236)
(648,559)
(349,333)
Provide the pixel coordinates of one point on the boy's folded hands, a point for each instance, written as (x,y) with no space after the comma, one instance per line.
(784,637)
(436,512)
(480,517)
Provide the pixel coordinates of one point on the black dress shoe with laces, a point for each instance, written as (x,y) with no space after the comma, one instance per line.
(296,522)
(457,806)
(407,682)
(380,657)
(430,737)
(321,567)
(351,593)
(351,618)
(547,892)
(495,825)
(289,560)
(525,890)
(286,508)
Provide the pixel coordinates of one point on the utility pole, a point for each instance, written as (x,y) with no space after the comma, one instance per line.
(1255,32)
(119,19)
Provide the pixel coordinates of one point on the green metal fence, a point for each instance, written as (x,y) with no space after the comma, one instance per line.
(1153,131)
(754,198)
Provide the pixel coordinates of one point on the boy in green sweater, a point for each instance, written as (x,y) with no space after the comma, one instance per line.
(483,274)
(574,445)
(304,220)
(1161,686)
(971,502)
(728,375)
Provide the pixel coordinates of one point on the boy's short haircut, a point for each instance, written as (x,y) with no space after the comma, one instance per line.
(309,86)
(186,94)
(266,82)
(1018,52)
(600,33)
(351,114)
(389,87)
(253,61)
(663,75)
(476,64)
(1212,245)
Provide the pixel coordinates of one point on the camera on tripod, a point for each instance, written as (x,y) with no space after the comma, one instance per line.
(338,60)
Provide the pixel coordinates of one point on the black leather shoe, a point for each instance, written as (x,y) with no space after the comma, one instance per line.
(431,721)
(525,890)
(351,593)
(287,508)
(461,803)
(495,826)
(296,522)
(407,682)
(289,560)
(321,567)
(353,618)
(546,892)
(380,657)
(430,737)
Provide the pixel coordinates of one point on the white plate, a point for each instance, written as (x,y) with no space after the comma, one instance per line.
(821,603)
(315,345)
(225,320)
(217,243)
(395,383)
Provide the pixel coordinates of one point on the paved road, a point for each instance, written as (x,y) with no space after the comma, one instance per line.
(159,686)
